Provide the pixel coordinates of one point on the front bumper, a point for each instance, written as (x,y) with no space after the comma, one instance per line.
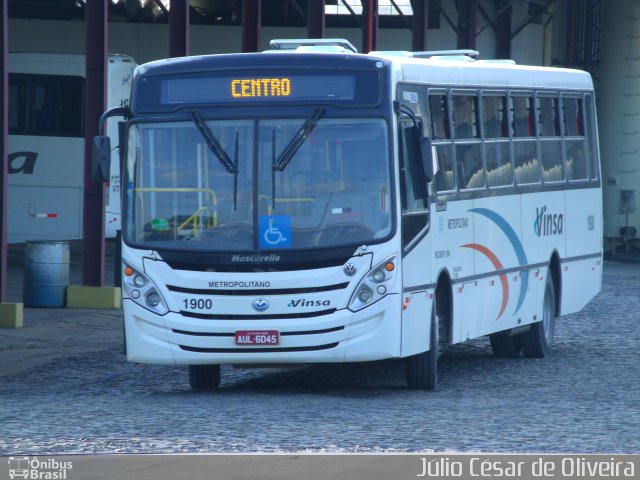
(373,333)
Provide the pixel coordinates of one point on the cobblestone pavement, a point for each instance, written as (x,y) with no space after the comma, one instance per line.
(65,387)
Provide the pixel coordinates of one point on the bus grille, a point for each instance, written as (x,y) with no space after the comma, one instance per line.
(282,316)
(258,292)
(260,349)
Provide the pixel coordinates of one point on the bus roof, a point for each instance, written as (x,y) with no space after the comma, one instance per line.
(464,71)
(452,68)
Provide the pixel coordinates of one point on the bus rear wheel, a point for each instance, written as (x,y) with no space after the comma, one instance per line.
(422,369)
(204,377)
(538,341)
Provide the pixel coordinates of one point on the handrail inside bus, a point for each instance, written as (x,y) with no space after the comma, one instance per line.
(194,219)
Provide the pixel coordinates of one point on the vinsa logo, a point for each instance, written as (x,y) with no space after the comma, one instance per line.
(303,302)
(547,223)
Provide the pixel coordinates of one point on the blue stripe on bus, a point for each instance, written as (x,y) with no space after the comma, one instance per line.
(515,243)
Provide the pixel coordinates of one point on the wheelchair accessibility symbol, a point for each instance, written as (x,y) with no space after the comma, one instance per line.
(275,231)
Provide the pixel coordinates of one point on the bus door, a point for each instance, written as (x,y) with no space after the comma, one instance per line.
(414,224)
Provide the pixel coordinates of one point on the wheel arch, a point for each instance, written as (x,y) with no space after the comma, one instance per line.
(556,277)
(444,305)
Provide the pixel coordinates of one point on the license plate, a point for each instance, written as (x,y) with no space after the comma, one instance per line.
(257,337)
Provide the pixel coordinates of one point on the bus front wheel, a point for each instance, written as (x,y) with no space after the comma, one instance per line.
(422,369)
(204,377)
(538,341)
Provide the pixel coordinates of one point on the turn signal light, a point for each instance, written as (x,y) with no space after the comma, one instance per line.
(389,266)
(128,271)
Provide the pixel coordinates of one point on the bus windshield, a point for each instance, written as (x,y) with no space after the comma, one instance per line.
(250,185)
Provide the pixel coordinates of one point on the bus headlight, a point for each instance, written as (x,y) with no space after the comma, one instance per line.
(374,285)
(153,300)
(142,291)
(365,294)
(378,276)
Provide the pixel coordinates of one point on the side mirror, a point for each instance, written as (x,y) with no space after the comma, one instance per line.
(100,158)
(416,157)
(427,157)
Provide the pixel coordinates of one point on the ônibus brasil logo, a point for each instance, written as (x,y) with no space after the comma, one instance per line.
(34,468)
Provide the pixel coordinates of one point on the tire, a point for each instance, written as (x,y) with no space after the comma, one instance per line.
(422,369)
(124,338)
(204,377)
(504,345)
(538,341)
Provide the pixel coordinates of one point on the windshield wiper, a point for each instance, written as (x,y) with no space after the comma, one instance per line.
(297,140)
(220,153)
(290,150)
(235,172)
(213,143)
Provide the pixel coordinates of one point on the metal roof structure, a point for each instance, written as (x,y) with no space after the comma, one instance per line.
(290,13)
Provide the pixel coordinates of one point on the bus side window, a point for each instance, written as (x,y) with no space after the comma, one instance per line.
(45,101)
(468,148)
(525,154)
(522,125)
(465,116)
(51,105)
(71,108)
(439,117)
(590,127)
(550,143)
(574,144)
(496,146)
(17,105)
(439,123)
(494,118)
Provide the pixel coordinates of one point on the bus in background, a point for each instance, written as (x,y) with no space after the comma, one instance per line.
(316,205)
(46,144)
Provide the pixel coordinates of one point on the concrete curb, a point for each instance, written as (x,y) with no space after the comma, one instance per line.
(11,315)
(94,297)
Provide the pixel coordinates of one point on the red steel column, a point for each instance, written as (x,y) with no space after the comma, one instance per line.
(420,25)
(467,22)
(250,25)
(179,28)
(95,95)
(369,25)
(4,161)
(315,19)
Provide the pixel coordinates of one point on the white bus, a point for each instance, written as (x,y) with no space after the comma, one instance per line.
(46,144)
(305,207)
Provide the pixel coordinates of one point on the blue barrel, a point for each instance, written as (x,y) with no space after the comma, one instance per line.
(46,274)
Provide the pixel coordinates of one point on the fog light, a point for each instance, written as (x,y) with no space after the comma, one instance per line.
(382,290)
(365,295)
(153,299)
(135,294)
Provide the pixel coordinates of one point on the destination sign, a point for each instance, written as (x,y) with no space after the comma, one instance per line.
(273,86)
(260,87)
(224,89)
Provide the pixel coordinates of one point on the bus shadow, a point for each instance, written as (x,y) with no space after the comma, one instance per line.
(347,379)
